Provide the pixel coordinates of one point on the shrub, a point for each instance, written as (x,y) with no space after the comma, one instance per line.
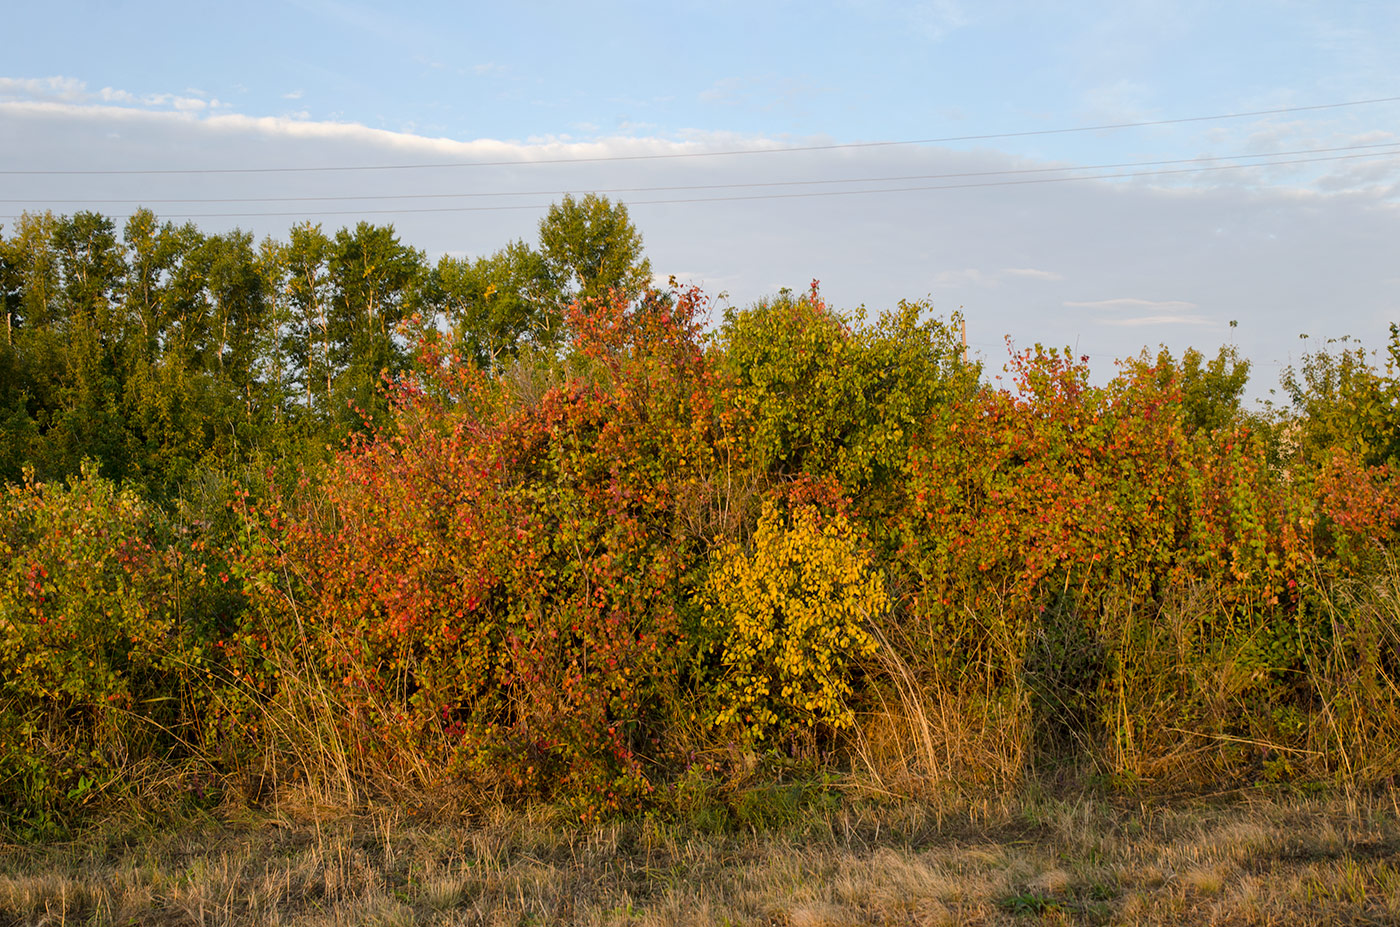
(791,617)
(493,588)
(104,648)
(1343,402)
(812,393)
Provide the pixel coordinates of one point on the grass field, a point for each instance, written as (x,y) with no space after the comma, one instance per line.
(1242,858)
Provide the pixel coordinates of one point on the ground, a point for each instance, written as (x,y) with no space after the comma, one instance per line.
(1242,858)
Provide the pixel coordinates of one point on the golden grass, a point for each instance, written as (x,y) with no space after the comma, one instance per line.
(1256,860)
(940,738)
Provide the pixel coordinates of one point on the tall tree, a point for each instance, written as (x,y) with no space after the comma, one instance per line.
(308,293)
(274,360)
(376,283)
(11,292)
(34,357)
(34,266)
(154,251)
(92,266)
(590,246)
(497,305)
(17,427)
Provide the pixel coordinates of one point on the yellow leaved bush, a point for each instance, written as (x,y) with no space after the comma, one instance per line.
(790,617)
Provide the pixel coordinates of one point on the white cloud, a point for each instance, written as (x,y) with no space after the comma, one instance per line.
(63,89)
(1033,274)
(292,95)
(70,91)
(1130,302)
(1055,263)
(1138,321)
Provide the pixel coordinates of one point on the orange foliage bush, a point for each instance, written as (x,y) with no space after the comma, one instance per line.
(502,584)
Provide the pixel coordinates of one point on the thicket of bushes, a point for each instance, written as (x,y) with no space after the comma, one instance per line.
(600,574)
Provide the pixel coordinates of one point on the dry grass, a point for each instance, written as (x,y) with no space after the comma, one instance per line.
(1249,861)
(931,739)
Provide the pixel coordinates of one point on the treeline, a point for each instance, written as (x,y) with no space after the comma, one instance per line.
(157,350)
(625,562)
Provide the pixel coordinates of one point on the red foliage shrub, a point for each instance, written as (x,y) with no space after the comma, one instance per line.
(503,583)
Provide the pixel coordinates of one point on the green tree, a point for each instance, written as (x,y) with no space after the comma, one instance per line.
(87,419)
(92,266)
(376,281)
(1211,390)
(154,252)
(18,430)
(33,270)
(10,289)
(17,427)
(1344,401)
(590,246)
(37,356)
(499,304)
(273,358)
(308,294)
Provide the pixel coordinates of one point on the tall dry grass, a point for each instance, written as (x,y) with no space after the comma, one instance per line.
(1356,730)
(1174,699)
(940,736)
(318,744)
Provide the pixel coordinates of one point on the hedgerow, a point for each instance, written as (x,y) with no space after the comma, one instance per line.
(661,553)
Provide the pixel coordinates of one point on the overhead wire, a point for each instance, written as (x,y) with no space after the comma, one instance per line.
(1373,155)
(1378,151)
(53,172)
(1205,160)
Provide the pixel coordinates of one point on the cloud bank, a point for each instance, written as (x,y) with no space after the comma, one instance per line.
(1107,267)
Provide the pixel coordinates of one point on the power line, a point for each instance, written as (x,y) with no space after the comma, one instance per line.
(1371,155)
(725,186)
(1013,183)
(703,154)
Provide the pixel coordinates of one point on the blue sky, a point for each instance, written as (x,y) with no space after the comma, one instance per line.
(850,71)
(1109,266)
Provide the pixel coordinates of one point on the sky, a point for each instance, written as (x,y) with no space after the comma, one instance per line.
(1102,176)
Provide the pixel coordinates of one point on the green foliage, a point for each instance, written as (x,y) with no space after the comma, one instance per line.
(539,559)
(375,283)
(1344,402)
(1210,390)
(811,395)
(104,650)
(167,351)
(590,246)
(496,305)
(163,351)
(784,366)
